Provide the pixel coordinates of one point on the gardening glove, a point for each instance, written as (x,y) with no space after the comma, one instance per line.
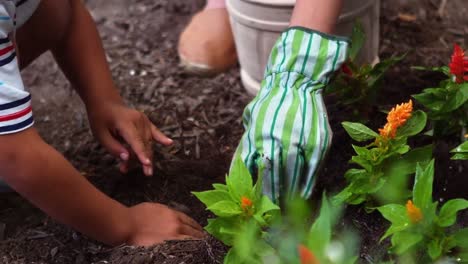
(287,133)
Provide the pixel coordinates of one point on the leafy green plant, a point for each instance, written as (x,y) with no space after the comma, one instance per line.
(460,152)
(447,104)
(287,241)
(422,228)
(237,204)
(357,85)
(387,160)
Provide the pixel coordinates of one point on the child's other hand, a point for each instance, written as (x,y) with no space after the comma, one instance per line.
(114,123)
(154,223)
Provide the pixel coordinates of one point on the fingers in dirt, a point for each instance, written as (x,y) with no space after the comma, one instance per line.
(159,136)
(136,142)
(114,146)
(189,221)
(191,232)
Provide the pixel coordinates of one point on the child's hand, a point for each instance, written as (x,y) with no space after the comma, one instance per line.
(154,223)
(114,123)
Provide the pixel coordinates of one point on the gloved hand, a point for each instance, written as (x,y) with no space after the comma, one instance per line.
(286,125)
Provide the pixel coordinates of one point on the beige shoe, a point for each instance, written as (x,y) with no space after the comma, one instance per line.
(206,46)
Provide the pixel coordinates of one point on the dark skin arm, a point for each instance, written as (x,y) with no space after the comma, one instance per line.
(45,178)
(82,59)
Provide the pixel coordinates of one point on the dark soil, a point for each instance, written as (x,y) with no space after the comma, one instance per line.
(204,117)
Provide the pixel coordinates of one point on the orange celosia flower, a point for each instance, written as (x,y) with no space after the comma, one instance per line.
(246,203)
(306,256)
(396,118)
(414,213)
(459,64)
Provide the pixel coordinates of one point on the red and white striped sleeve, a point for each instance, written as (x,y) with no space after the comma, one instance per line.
(15,102)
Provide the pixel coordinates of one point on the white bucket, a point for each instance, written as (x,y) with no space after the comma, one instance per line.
(256,25)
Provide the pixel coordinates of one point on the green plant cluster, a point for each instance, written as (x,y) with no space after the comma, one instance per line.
(421,230)
(384,163)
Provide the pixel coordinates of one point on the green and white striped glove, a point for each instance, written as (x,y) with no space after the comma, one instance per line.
(286,125)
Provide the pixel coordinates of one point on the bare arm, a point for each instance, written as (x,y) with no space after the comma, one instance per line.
(40,174)
(81,57)
(44,177)
(320,15)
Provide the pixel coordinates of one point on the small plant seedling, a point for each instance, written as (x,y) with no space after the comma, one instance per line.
(387,161)
(420,228)
(448,104)
(237,205)
(357,85)
(288,241)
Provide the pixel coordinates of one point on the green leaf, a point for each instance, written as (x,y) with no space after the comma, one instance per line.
(406,164)
(220,187)
(403,241)
(359,132)
(414,125)
(444,69)
(448,212)
(320,233)
(225,209)
(462,148)
(461,238)
(266,206)
(232,258)
(239,181)
(432,98)
(358,37)
(361,151)
(456,99)
(246,242)
(342,196)
(378,70)
(211,197)
(434,249)
(396,214)
(461,152)
(258,188)
(223,229)
(363,162)
(460,156)
(422,189)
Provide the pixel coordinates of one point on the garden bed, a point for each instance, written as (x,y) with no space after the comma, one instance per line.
(203,116)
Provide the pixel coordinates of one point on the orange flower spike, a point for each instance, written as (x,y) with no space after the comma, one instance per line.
(306,256)
(246,203)
(459,64)
(414,213)
(396,118)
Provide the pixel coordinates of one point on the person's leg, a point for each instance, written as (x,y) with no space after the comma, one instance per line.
(206,46)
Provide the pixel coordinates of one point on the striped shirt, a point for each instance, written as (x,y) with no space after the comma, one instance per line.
(286,125)
(15,102)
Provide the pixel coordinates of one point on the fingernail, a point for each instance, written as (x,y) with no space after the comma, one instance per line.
(149,171)
(124,156)
(147,161)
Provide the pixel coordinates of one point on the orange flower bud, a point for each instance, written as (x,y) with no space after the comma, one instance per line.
(246,203)
(414,213)
(306,256)
(396,118)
